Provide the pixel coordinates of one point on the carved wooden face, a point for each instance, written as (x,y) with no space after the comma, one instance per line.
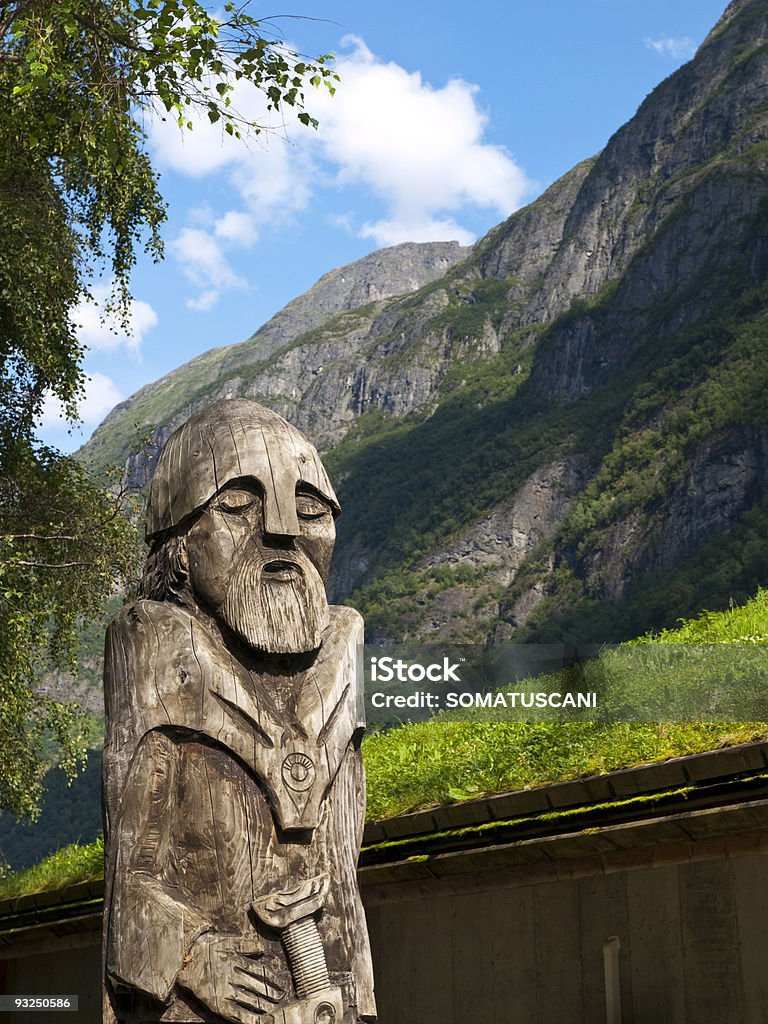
(267,587)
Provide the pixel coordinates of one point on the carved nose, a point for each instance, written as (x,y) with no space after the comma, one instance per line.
(280,519)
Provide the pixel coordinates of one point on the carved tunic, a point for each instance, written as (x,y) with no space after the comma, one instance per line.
(219,791)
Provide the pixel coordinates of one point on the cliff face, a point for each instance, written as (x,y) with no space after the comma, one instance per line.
(528,434)
(281,360)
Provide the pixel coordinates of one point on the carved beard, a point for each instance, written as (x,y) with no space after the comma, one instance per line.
(277,605)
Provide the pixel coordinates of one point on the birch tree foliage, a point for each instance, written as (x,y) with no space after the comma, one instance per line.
(79,199)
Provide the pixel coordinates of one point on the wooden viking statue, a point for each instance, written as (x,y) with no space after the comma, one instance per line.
(234,788)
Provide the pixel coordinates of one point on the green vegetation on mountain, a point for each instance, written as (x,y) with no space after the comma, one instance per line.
(643,429)
(546,436)
(728,566)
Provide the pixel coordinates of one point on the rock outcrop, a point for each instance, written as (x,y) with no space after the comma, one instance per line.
(544,421)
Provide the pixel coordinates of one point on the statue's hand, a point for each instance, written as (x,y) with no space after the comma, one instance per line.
(226,973)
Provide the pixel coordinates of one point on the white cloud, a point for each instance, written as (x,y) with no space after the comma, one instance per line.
(344,221)
(203,216)
(236,227)
(263,162)
(403,229)
(420,149)
(276,182)
(100,329)
(197,153)
(680,48)
(387,138)
(204,264)
(269,176)
(101,395)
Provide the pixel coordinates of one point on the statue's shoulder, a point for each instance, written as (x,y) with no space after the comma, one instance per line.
(146,635)
(345,621)
(145,614)
(156,650)
(150,619)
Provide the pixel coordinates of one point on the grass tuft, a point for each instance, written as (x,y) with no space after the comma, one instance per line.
(443,761)
(68,866)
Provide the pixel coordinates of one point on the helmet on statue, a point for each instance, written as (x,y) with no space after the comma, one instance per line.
(235,439)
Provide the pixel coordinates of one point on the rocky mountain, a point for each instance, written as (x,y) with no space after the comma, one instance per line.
(270,363)
(562,432)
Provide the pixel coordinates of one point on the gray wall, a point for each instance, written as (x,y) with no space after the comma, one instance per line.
(694,950)
(63,971)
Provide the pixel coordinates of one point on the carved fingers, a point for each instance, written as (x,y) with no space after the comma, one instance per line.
(228,974)
(254,988)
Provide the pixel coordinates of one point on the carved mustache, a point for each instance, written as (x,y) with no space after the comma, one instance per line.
(267,566)
(281,569)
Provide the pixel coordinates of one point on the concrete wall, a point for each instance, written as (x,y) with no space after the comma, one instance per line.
(694,949)
(497,911)
(66,970)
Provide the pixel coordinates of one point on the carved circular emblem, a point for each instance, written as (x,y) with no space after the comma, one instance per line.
(298,772)
(325,1013)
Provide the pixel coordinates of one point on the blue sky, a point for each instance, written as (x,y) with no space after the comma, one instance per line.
(447,119)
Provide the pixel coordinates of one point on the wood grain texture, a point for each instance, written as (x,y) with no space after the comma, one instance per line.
(200,819)
(228,441)
(234,792)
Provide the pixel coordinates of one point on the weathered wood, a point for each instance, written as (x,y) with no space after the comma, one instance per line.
(234,789)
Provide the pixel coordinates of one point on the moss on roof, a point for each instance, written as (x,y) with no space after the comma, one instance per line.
(443,761)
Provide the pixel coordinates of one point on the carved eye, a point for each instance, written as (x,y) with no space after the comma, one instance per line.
(298,771)
(309,506)
(236,500)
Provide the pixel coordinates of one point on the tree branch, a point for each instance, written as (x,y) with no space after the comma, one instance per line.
(47,565)
(40,536)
